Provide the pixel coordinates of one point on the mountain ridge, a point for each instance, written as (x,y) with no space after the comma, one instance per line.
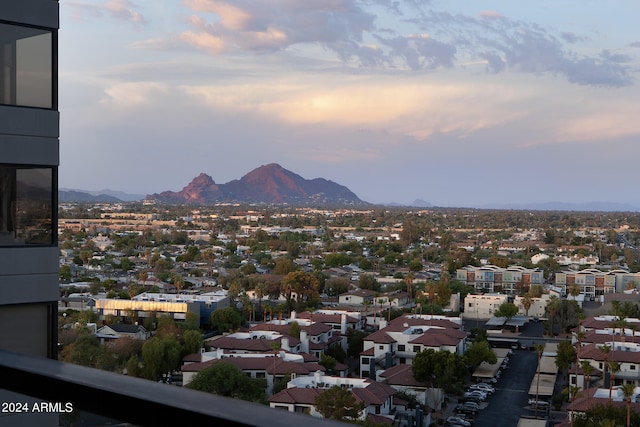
(269,183)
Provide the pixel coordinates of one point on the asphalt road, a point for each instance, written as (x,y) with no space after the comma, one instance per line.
(509,402)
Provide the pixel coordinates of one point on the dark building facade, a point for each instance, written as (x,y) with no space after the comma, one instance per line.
(29,159)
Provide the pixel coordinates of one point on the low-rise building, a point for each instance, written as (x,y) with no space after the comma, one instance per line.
(398,342)
(491,278)
(175,305)
(301,393)
(482,306)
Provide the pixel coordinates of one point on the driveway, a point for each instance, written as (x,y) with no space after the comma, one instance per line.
(509,402)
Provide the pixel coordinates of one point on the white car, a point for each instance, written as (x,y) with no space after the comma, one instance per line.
(543,403)
(457,421)
(483,387)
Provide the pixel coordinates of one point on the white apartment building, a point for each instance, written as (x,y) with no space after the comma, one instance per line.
(482,306)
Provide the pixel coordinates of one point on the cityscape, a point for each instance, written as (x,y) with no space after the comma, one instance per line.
(302,300)
(326,213)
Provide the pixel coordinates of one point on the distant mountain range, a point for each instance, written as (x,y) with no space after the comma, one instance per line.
(565,206)
(267,184)
(275,185)
(66,195)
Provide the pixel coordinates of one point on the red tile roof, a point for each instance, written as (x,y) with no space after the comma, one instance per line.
(402,375)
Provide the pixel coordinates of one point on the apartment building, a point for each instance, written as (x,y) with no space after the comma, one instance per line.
(29,136)
(301,392)
(490,278)
(398,342)
(593,282)
(482,306)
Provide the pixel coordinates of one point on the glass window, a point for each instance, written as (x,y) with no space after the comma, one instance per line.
(26,206)
(26,66)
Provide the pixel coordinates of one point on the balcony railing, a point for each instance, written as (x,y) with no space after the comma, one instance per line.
(134,400)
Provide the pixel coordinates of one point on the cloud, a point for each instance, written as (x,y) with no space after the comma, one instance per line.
(510,45)
(123,10)
(491,14)
(133,94)
(250,25)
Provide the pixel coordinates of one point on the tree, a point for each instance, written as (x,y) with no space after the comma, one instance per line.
(506,309)
(551,310)
(161,356)
(443,291)
(527,302)
(355,342)
(283,266)
(367,281)
(565,356)
(478,352)
(294,330)
(587,370)
(336,286)
(608,414)
(224,379)
(328,362)
(133,366)
(605,349)
(613,368)
(628,389)
(304,286)
(338,404)
(441,368)
(87,351)
(225,319)
(573,391)
(539,349)
(535,291)
(65,273)
(192,342)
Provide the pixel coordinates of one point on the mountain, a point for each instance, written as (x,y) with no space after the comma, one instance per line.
(125,197)
(267,184)
(74,196)
(567,206)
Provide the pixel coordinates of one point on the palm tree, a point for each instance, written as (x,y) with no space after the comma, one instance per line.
(613,368)
(390,299)
(587,370)
(573,392)
(527,302)
(552,308)
(605,349)
(627,390)
(539,348)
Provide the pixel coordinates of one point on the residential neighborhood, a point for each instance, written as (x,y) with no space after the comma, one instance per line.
(321,306)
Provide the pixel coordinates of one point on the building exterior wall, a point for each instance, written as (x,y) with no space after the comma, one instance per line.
(482,306)
(29,136)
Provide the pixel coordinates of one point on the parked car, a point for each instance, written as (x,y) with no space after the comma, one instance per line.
(476,395)
(482,387)
(468,408)
(542,403)
(457,421)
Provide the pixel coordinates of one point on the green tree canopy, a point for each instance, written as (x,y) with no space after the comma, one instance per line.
(224,379)
(338,404)
(161,356)
(506,309)
(441,368)
(478,352)
(225,319)
(192,342)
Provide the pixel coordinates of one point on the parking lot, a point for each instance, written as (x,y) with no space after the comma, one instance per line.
(510,400)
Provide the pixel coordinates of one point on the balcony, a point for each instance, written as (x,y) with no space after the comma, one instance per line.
(134,400)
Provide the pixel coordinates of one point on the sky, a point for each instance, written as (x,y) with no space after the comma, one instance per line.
(454,102)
